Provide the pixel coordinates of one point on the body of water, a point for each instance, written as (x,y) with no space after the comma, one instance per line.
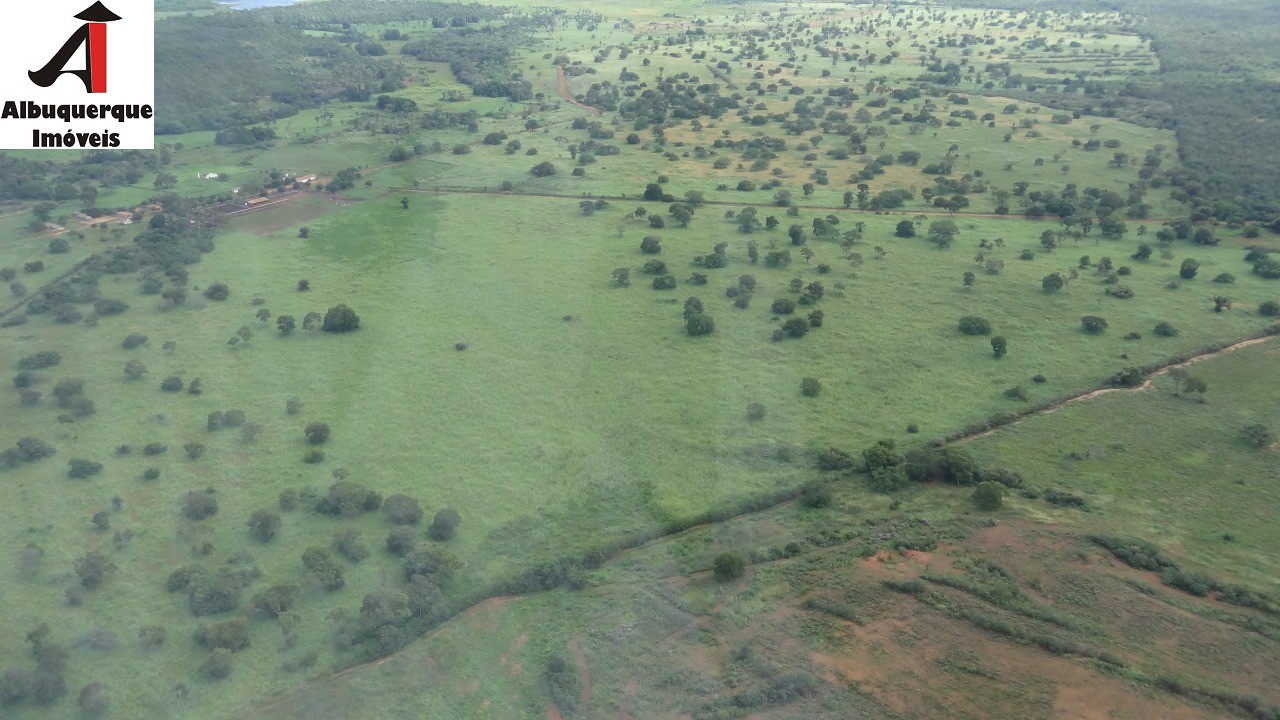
(251,4)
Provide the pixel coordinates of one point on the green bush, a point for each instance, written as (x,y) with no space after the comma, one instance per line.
(887,479)
(988,495)
(728,566)
(974,325)
(664,282)
(1093,324)
(340,319)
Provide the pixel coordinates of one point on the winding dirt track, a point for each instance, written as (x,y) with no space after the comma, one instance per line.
(274,707)
(563,81)
(1146,385)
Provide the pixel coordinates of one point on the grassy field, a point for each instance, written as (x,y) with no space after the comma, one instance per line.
(499,371)
(1144,454)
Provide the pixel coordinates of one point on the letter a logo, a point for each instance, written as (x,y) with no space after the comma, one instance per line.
(93,35)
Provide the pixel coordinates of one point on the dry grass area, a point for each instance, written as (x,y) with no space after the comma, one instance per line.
(685,646)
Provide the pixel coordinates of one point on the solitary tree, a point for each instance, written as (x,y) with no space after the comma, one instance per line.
(1258,435)
(999,346)
(317,432)
(943,232)
(974,325)
(1093,324)
(905,229)
(339,319)
(1053,282)
(1189,268)
(93,567)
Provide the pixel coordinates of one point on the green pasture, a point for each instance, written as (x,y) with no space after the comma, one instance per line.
(499,371)
(548,435)
(1169,469)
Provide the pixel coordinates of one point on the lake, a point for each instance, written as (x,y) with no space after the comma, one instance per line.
(251,4)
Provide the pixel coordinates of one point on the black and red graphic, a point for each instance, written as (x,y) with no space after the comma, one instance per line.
(93,37)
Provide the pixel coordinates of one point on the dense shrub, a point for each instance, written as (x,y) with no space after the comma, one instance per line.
(231,634)
(974,325)
(198,505)
(317,432)
(429,561)
(340,319)
(887,479)
(988,495)
(664,282)
(816,494)
(217,291)
(810,387)
(348,499)
(699,324)
(79,468)
(39,361)
(1062,498)
(782,306)
(349,545)
(1093,324)
(401,540)
(29,448)
(1008,478)
(1128,377)
(1164,329)
(728,566)
(214,592)
(264,525)
(444,525)
(834,459)
(402,510)
(173,383)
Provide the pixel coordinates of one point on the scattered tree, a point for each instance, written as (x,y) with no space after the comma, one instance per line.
(317,432)
(1093,324)
(264,525)
(974,325)
(999,346)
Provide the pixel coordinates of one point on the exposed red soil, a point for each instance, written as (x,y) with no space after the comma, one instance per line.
(563,82)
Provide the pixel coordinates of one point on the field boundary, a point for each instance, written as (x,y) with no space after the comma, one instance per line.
(1154,372)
